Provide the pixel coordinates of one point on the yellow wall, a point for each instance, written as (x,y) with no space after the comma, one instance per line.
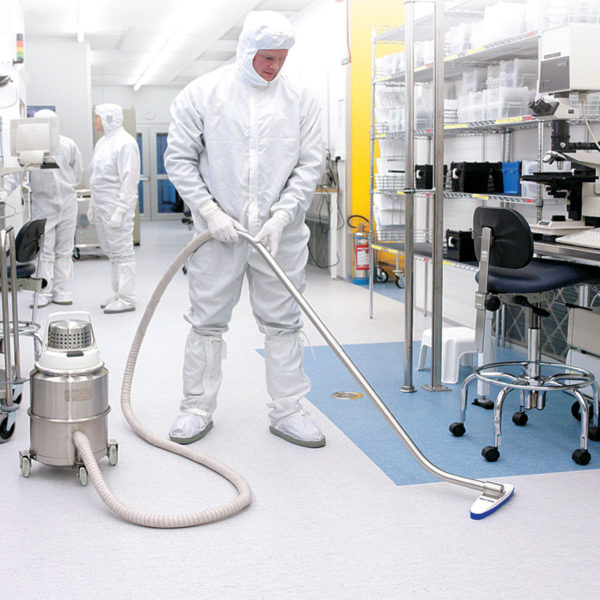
(364,15)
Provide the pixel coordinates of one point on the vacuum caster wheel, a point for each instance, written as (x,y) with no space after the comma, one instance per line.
(25,466)
(581,456)
(457,429)
(113,454)
(490,453)
(594,433)
(520,418)
(83,475)
(5,431)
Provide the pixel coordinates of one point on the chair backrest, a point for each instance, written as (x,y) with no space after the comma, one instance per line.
(512,240)
(28,240)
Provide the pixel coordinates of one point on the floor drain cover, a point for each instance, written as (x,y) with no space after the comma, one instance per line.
(347,395)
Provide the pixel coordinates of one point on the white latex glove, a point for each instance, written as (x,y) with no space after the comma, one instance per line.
(270,234)
(117,218)
(90,214)
(221,226)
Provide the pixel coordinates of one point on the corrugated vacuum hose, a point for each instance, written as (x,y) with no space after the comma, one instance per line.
(95,476)
(493,495)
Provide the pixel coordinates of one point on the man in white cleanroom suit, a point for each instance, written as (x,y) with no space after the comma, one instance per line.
(114,175)
(245,151)
(54,198)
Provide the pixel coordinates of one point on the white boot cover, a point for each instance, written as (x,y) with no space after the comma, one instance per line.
(63,272)
(125,300)
(287,384)
(201,381)
(43,299)
(189,427)
(126,281)
(118,305)
(114,282)
(299,429)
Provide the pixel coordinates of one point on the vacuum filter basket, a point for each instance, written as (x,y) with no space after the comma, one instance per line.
(70,334)
(69,345)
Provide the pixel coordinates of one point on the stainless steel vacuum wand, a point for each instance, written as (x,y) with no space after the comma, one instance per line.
(493,494)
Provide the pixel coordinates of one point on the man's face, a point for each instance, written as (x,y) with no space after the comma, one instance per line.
(98,123)
(267,63)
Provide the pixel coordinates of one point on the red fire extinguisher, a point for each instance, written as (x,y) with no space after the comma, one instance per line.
(361,250)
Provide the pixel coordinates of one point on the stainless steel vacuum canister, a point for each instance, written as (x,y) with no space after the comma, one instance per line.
(69,392)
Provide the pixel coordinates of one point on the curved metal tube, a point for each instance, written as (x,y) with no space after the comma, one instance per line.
(491,489)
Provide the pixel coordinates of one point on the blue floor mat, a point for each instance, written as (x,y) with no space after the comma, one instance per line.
(544,445)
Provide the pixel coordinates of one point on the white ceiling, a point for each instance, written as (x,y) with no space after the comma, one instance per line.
(165,42)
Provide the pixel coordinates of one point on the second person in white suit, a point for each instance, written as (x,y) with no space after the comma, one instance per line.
(114,173)
(54,198)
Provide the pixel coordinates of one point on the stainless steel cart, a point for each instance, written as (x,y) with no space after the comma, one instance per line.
(86,238)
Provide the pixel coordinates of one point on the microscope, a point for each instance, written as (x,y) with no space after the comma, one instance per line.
(566,66)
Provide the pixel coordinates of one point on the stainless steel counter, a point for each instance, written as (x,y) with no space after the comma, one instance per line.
(565,251)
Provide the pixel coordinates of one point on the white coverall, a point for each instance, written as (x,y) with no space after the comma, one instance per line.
(254,147)
(54,198)
(114,175)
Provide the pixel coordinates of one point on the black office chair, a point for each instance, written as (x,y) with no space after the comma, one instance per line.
(508,273)
(17,267)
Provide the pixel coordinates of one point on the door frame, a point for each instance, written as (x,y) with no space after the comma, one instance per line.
(150,177)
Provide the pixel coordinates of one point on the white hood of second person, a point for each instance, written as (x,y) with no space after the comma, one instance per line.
(263,30)
(111,115)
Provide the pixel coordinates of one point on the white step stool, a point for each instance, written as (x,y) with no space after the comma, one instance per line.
(456,343)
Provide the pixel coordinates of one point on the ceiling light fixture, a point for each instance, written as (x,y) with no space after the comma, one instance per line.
(151,62)
(174,29)
(80,21)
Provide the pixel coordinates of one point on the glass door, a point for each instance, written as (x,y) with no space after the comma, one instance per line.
(144,184)
(158,197)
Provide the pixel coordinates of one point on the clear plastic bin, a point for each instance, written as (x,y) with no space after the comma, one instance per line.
(519,72)
(458,39)
(388,218)
(391,147)
(388,202)
(511,102)
(473,80)
(388,97)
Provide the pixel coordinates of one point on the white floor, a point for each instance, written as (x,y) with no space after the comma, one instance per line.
(324,523)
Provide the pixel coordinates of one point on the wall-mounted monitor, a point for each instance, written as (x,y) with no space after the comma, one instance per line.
(34,141)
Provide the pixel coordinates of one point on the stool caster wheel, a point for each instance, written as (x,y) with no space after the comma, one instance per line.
(400,282)
(491,454)
(520,418)
(594,433)
(576,411)
(6,432)
(457,429)
(581,456)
